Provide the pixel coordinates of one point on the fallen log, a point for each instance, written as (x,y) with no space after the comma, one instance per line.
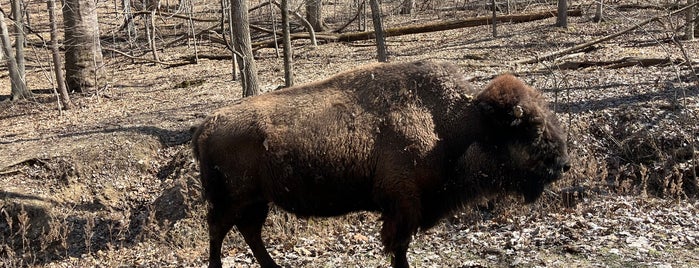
(616,64)
(423,28)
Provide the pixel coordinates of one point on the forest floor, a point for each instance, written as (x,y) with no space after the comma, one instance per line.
(112,182)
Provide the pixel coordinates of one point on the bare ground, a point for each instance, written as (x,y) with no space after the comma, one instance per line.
(113,183)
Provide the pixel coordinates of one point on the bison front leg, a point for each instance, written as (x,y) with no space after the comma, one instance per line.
(400,222)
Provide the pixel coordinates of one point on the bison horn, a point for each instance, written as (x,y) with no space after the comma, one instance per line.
(518,112)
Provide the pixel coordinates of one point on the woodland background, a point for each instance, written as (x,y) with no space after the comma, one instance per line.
(101,174)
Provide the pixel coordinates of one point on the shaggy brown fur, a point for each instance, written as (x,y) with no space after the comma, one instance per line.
(408,140)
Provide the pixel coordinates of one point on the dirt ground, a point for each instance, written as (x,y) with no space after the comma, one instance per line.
(113,183)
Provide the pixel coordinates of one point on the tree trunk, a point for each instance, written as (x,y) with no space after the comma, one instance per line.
(19,88)
(562,18)
(689,18)
(407,7)
(495,19)
(150,33)
(18,13)
(599,11)
(248,68)
(233,46)
(288,57)
(314,14)
(82,44)
(56,55)
(378,30)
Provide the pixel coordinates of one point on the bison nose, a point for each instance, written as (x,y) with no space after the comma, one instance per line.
(562,163)
(566,166)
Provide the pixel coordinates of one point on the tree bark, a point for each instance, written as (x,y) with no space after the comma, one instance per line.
(314,14)
(19,88)
(288,57)
(18,13)
(234,53)
(599,11)
(248,68)
(378,30)
(306,23)
(690,16)
(83,55)
(56,55)
(562,18)
(495,19)
(407,7)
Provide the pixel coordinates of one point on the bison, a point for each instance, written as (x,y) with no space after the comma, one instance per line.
(412,141)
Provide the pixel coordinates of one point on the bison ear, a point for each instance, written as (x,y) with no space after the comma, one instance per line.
(518,114)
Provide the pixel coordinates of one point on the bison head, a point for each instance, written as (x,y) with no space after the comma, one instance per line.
(522,138)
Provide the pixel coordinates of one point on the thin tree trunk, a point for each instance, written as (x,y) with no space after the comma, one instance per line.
(190,11)
(407,7)
(19,88)
(18,13)
(599,11)
(130,27)
(272,18)
(378,30)
(248,68)
(562,18)
(689,24)
(150,31)
(288,56)
(303,21)
(60,80)
(314,14)
(234,56)
(361,23)
(495,19)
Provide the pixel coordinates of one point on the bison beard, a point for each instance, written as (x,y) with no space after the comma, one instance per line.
(412,141)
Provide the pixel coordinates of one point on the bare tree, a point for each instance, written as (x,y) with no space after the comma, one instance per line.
(152,6)
(19,88)
(235,55)
(407,7)
(495,18)
(314,14)
(60,80)
(83,53)
(599,11)
(690,16)
(288,57)
(18,13)
(378,30)
(248,68)
(562,18)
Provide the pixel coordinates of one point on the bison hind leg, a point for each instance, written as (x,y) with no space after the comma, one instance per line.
(249,220)
(250,227)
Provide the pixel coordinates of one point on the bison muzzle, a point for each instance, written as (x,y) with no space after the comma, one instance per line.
(412,141)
